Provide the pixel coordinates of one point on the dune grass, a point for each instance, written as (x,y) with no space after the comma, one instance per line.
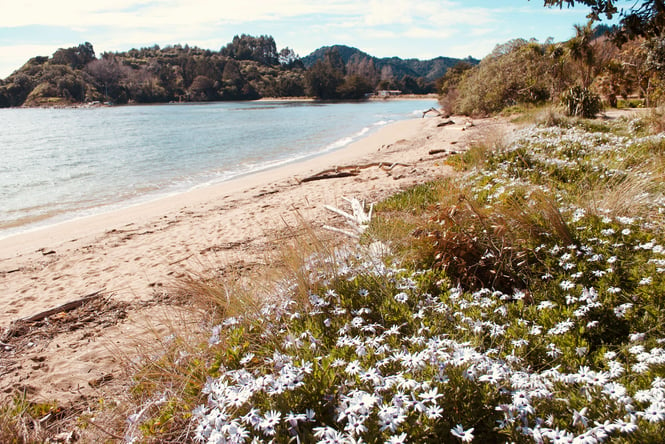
(522,301)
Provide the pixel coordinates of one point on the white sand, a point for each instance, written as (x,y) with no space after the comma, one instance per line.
(131,253)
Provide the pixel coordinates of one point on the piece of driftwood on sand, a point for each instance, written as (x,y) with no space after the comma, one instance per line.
(440,151)
(350,170)
(69,306)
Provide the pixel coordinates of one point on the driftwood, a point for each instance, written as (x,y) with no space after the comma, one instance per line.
(329,176)
(350,170)
(445,123)
(442,150)
(69,306)
(432,110)
(359,220)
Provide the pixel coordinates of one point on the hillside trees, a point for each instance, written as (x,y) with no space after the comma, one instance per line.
(107,73)
(76,57)
(326,76)
(259,49)
(251,68)
(448,85)
(246,68)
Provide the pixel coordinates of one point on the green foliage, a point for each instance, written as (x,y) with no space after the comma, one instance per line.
(530,308)
(448,85)
(245,69)
(75,57)
(325,77)
(580,102)
(259,49)
(522,73)
(392,69)
(25,422)
(516,72)
(248,68)
(640,19)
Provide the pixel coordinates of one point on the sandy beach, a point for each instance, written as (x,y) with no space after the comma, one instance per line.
(132,256)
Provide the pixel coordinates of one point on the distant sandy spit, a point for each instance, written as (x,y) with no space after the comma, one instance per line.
(131,255)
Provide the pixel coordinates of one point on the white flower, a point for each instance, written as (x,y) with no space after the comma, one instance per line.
(401,297)
(655,412)
(353,368)
(247,358)
(431,396)
(397,439)
(580,417)
(464,435)
(433,412)
(566,285)
(270,421)
(625,427)
(646,281)
(390,417)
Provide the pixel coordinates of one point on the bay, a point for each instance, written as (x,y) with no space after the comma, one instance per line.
(58,164)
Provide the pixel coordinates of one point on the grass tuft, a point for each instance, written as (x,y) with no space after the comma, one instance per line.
(523,301)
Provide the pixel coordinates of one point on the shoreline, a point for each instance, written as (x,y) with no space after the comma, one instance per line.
(135,256)
(172,179)
(433,96)
(159,201)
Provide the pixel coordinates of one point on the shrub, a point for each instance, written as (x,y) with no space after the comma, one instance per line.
(581,102)
(517,72)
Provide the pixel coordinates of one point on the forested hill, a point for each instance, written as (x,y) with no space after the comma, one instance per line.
(430,70)
(246,68)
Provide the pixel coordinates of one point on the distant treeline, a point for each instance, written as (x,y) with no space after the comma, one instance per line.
(247,68)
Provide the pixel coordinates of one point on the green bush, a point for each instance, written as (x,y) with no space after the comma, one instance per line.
(581,102)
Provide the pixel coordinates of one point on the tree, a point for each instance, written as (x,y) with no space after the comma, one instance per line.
(76,57)
(447,85)
(289,59)
(326,76)
(354,87)
(581,51)
(246,47)
(644,18)
(202,89)
(107,72)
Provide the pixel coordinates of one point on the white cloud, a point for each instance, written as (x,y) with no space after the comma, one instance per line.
(146,13)
(429,33)
(424,28)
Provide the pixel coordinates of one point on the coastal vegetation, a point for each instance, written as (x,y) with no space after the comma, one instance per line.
(520,301)
(246,68)
(619,65)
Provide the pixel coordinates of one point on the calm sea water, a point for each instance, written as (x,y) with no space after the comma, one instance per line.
(58,164)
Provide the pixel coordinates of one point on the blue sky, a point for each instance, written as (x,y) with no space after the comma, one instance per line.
(405,28)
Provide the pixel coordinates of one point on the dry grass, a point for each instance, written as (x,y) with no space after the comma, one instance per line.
(632,195)
(173,368)
(25,422)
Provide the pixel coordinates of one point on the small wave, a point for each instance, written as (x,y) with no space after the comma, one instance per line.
(344,141)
